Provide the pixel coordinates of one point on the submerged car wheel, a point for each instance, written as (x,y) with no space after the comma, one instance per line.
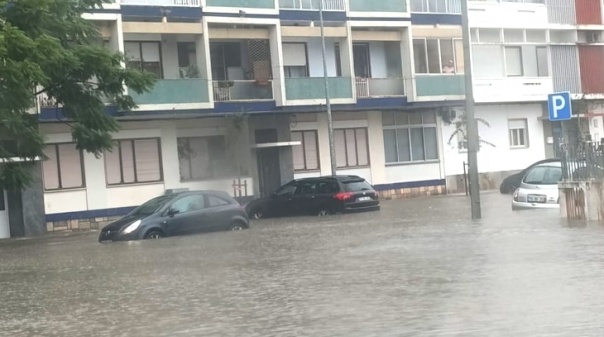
(324,212)
(237,226)
(154,235)
(257,214)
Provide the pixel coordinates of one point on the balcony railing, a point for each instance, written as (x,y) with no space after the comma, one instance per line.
(440,85)
(311,88)
(178,3)
(242,3)
(385,6)
(228,91)
(380,87)
(178,91)
(441,6)
(313,5)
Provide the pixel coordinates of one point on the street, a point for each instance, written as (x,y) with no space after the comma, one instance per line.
(417,268)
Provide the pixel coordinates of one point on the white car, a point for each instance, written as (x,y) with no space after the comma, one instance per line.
(539,187)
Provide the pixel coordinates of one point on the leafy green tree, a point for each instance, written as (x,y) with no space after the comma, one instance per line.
(47,47)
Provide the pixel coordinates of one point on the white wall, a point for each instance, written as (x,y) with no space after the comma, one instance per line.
(97,195)
(507,14)
(501,157)
(315,59)
(377,54)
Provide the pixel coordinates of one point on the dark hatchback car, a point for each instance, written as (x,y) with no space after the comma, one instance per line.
(179,214)
(511,183)
(317,196)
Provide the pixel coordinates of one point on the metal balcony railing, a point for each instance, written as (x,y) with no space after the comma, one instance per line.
(227,91)
(379,87)
(328,5)
(178,3)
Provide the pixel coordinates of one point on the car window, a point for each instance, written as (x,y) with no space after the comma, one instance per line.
(152,205)
(328,186)
(356,185)
(543,175)
(214,201)
(307,187)
(189,203)
(286,189)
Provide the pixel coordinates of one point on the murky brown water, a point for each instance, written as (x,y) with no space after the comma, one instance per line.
(417,268)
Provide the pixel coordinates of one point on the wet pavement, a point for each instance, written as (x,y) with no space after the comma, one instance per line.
(417,268)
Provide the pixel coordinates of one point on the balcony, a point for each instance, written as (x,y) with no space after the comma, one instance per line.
(229,91)
(512,89)
(436,7)
(386,6)
(176,3)
(439,85)
(313,88)
(380,87)
(313,5)
(270,4)
(176,91)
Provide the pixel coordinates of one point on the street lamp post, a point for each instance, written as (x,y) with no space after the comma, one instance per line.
(472,127)
(332,148)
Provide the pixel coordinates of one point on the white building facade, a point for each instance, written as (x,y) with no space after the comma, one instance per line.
(239,101)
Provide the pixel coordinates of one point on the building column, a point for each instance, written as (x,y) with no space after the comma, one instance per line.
(26,207)
(408,63)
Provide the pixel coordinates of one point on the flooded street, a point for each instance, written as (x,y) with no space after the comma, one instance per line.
(417,268)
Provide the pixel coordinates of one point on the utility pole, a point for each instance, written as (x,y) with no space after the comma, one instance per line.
(472,127)
(332,148)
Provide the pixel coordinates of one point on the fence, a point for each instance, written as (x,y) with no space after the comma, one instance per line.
(582,161)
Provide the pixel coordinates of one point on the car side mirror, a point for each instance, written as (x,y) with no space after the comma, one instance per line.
(172,212)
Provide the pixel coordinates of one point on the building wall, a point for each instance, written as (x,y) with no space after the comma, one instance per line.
(73,204)
(500,158)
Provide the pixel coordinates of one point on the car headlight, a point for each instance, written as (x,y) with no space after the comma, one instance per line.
(132,227)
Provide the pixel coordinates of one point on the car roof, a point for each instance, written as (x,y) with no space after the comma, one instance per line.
(339,178)
(211,192)
(554,163)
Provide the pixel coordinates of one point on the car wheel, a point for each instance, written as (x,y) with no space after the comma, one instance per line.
(323,211)
(237,226)
(154,235)
(257,214)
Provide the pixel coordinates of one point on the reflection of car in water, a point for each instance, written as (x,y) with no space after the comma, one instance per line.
(178,214)
(539,187)
(317,196)
(511,183)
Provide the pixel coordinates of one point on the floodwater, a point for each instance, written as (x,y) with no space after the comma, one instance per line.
(417,268)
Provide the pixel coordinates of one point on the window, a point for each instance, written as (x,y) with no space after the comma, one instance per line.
(542,62)
(190,203)
(438,56)
(362,61)
(518,133)
(306,156)
(204,158)
(214,201)
(287,189)
(410,137)
(294,60)
(307,187)
(328,187)
(64,167)
(435,6)
(144,56)
(352,148)
(513,61)
(134,161)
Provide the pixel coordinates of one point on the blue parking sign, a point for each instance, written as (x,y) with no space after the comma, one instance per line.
(559,106)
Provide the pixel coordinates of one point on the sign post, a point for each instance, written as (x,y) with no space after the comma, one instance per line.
(559,107)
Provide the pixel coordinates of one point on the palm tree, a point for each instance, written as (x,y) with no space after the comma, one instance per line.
(460,121)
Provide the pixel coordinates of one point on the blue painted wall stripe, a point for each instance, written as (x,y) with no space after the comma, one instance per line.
(410,184)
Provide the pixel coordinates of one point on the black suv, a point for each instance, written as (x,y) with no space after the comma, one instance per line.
(317,196)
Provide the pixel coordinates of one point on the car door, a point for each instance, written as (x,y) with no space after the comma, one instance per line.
(326,189)
(186,215)
(219,213)
(280,203)
(302,203)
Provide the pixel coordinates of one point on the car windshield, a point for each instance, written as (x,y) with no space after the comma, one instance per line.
(152,205)
(543,175)
(356,185)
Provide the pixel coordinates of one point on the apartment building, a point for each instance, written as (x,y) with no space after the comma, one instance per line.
(239,104)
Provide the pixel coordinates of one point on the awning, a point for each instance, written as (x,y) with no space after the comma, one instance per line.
(277,144)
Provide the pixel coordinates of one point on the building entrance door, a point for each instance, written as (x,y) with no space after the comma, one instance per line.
(4,224)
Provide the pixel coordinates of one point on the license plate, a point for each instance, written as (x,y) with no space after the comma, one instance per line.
(537,198)
(364,199)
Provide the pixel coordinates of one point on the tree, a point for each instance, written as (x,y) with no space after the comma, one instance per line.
(47,47)
(450,116)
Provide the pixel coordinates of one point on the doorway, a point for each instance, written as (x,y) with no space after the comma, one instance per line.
(4,220)
(269,167)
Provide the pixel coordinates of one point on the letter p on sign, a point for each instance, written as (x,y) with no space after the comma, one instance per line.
(559,106)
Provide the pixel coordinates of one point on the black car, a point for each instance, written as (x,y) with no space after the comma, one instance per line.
(179,214)
(317,196)
(511,183)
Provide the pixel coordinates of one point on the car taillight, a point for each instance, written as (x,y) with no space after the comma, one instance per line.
(343,196)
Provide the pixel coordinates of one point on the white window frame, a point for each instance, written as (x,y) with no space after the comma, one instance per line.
(55,147)
(409,127)
(354,142)
(117,146)
(440,58)
(306,168)
(514,133)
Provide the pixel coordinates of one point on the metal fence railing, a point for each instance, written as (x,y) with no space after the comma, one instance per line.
(582,161)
